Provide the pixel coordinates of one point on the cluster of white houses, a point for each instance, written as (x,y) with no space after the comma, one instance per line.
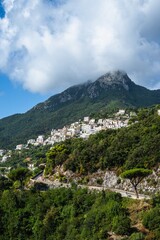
(4,155)
(81,129)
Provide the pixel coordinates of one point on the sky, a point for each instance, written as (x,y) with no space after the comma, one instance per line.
(49,45)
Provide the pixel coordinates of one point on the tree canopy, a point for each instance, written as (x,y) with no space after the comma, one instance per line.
(135,176)
(20,174)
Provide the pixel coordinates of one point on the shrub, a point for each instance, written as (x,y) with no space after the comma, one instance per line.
(121,225)
(137,236)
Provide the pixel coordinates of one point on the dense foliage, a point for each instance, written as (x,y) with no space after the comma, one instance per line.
(74,213)
(151,218)
(61,214)
(70,214)
(134,147)
(19,175)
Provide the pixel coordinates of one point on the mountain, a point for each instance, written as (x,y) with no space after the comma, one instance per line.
(112,90)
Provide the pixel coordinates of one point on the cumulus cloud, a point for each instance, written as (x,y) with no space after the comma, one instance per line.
(47,46)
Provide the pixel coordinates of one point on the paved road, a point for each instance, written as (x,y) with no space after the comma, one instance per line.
(122,192)
(55,184)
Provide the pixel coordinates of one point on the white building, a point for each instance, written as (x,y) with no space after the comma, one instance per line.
(40,139)
(100,122)
(31,166)
(2,152)
(31,141)
(86,128)
(4,158)
(86,119)
(92,121)
(19,147)
(53,132)
(84,135)
(120,112)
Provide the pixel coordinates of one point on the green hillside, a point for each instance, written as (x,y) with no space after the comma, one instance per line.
(75,213)
(136,146)
(108,93)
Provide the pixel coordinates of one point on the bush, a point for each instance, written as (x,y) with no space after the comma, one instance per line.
(137,236)
(151,219)
(39,186)
(121,225)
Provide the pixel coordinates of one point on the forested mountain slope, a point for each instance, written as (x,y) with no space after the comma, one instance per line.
(111,91)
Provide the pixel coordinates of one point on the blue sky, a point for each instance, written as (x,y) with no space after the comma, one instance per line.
(14,99)
(2,13)
(47,46)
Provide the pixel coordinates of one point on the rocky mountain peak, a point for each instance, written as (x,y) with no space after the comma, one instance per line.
(115,78)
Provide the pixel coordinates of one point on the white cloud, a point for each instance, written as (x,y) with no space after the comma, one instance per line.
(47,47)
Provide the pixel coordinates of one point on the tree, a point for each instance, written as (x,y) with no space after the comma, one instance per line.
(55,156)
(5,183)
(135,176)
(40,186)
(20,174)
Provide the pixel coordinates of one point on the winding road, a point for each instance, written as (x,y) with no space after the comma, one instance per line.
(55,184)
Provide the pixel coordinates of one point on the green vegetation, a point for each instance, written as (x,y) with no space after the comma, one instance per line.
(20,174)
(73,104)
(61,214)
(42,213)
(56,156)
(151,219)
(123,149)
(136,146)
(35,155)
(73,213)
(135,176)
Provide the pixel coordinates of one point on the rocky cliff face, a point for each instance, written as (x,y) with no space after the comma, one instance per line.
(91,90)
(150,184)
(115,78)
(116,86)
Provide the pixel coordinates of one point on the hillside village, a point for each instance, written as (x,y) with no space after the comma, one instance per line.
(81,129)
